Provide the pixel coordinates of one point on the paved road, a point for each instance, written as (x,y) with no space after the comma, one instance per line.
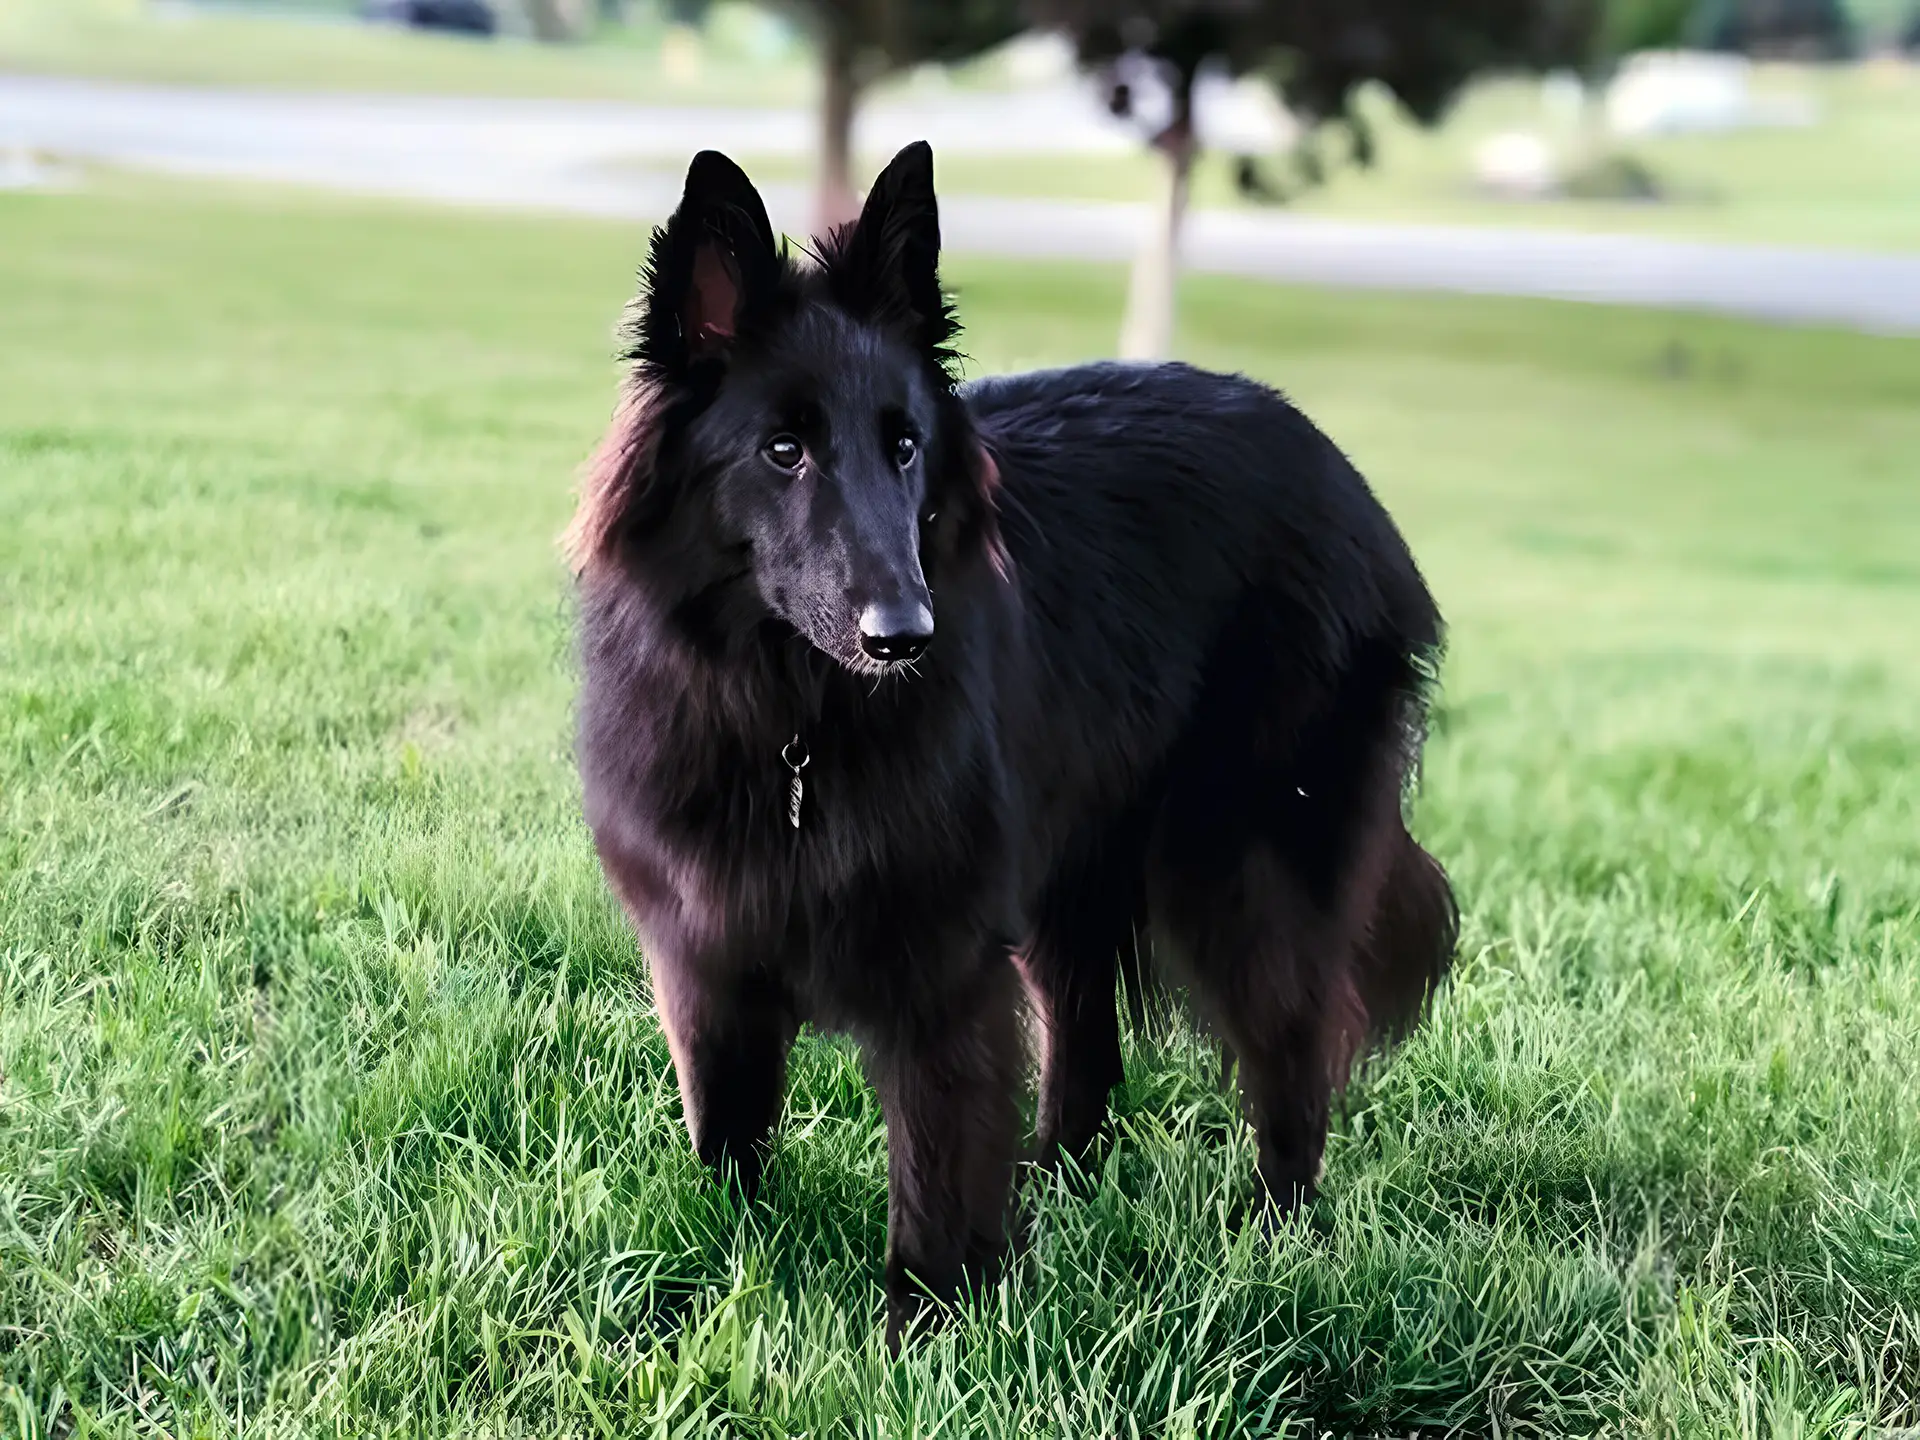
(590,159)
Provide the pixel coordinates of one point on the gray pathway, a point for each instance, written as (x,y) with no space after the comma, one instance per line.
(589,159)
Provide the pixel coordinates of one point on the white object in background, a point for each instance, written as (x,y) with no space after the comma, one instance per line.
(680,54)
(1564,98)
(1233,117)
(1241,117)
(1038,58)
(20,169)
(1683,92)
(1516,164)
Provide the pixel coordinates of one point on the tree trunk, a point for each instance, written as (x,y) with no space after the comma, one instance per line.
(1147,331)
(834,202)
(555,20)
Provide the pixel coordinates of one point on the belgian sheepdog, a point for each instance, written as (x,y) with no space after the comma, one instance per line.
(906,702)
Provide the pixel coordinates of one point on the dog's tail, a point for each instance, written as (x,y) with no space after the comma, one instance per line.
(1398,966)
(1409,946)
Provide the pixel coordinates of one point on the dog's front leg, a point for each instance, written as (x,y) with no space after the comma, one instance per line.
(950,1088)
(729,1031)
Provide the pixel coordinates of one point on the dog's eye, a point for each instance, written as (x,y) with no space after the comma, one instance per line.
(786,452)
(905,449)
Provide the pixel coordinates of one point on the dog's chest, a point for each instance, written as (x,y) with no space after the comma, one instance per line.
(802,846)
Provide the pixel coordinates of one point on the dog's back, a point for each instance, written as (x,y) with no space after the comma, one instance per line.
(1149,511)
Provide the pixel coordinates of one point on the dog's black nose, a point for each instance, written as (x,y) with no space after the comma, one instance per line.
(899,631)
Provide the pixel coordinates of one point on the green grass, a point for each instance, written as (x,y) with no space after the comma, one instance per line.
(132,40)
(330,1098)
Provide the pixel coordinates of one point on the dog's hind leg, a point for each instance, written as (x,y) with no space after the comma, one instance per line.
(1070,966)
(729,1035)
(950,1090)
(1270,854)
(1265,971)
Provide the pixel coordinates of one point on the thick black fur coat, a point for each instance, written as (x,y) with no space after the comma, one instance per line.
(1056,658)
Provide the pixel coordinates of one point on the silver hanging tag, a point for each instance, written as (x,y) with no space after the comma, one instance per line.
(794,756)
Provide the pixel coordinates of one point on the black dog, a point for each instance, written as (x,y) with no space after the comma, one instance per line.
(902,696)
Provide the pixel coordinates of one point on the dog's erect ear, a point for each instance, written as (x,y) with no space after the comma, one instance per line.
(710,266)
(887,268)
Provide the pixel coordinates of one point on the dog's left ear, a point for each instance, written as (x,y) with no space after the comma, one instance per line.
(887,267)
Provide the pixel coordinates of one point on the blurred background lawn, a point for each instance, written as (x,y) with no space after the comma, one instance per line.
(325,47)
(330,1096)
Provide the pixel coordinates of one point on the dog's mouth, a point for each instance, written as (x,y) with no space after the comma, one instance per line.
(846,651)
(837,637)
(880,670)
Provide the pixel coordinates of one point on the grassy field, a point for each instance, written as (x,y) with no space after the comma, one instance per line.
(330,1097)
(325,49)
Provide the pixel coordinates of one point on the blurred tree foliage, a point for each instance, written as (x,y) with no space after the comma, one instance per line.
(556,20)
(859,41)
(1632,25)
(1319,55)
(1807,29)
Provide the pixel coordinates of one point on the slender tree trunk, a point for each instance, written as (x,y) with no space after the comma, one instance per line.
(1147,331)
(1596,127)
(834,202)
(555,20)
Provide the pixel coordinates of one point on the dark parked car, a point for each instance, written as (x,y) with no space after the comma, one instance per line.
(463,17)
(1789,29)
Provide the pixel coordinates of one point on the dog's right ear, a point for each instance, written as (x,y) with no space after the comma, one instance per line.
(711,266)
